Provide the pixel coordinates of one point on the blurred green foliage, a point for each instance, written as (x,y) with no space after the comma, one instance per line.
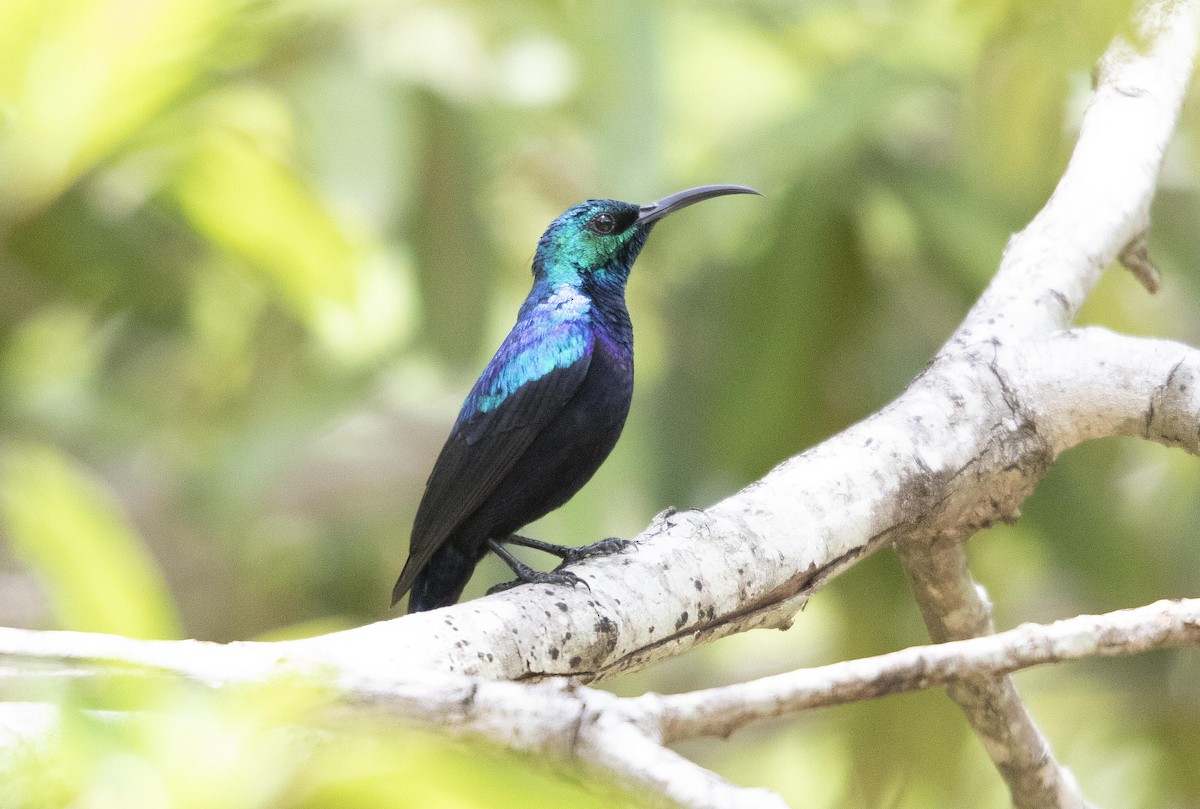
(253,253)
(107,583)
(247,749)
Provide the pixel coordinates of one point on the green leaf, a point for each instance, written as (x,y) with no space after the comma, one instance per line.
(79,77)
(62,523)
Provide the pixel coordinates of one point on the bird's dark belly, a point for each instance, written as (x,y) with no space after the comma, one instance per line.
(564,455)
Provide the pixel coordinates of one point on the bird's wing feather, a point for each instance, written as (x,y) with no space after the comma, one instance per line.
(499,420)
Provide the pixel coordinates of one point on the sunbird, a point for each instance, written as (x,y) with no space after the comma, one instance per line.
(546,411)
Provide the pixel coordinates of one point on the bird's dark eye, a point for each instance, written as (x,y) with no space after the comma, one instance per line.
(602,223)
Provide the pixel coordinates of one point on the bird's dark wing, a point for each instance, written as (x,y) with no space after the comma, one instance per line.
(499,420)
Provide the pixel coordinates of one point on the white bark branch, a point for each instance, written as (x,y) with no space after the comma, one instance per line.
(721,711)
(1084,384)
(1102,202)
(1099,212)
(1091,383)
(617,740)
(955,608)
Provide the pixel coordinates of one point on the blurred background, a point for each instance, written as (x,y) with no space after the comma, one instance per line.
(253,254)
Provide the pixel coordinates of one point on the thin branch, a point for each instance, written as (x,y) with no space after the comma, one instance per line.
(721,711)
(955,608)
(1135,257)
(642,765)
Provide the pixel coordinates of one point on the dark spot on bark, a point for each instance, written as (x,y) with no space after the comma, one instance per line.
(682,620)
(562,606)
(567,636)
(575,661)
(605,625)
(554,653)
(696,583)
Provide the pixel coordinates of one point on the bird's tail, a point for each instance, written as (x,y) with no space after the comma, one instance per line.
(441,581)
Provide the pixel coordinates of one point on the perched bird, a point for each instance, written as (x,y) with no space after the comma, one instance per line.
(547,409)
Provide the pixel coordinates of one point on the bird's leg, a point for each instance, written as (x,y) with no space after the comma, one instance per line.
(570,555)
(601,548)
(526,574)
(529,542)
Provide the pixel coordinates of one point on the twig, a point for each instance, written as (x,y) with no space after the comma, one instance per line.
(721,711)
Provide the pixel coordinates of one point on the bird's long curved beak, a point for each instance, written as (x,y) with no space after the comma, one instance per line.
(668,205)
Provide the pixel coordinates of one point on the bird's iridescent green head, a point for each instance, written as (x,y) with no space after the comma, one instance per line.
(594,239)
(598,240)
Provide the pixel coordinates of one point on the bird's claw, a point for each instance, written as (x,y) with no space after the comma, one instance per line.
(602,548)
(502,586)
(556,576)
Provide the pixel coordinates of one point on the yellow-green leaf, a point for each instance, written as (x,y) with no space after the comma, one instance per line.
(61,522)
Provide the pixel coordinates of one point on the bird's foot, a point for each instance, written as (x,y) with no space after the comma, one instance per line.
(527,575)
(530,576)
(602,548)
(569,555)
